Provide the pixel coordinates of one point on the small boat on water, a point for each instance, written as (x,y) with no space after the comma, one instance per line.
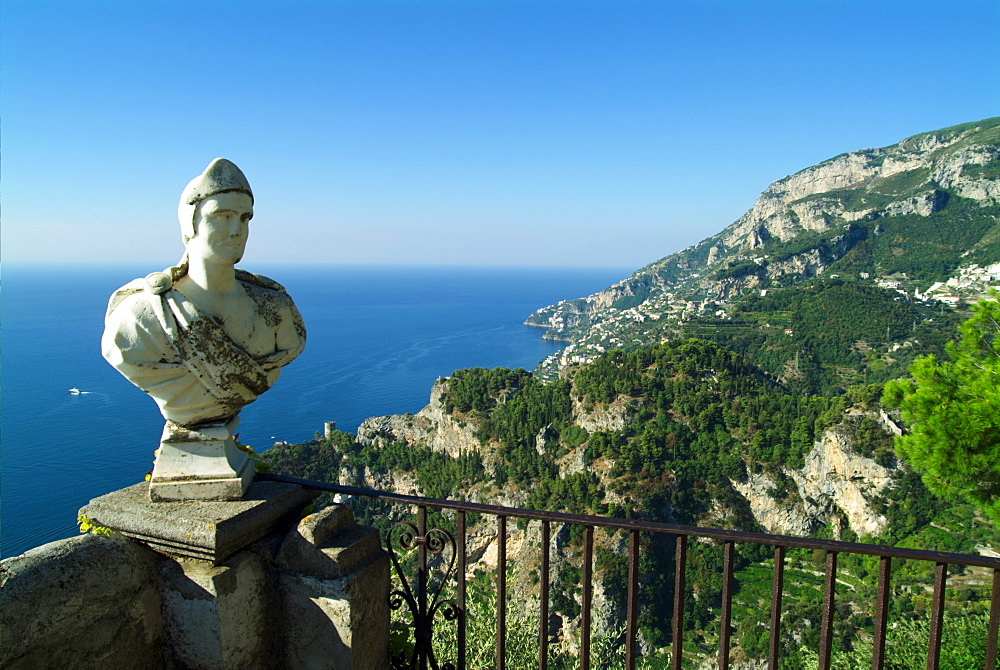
(76,391)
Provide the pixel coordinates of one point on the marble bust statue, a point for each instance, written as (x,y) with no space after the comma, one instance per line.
(204,339)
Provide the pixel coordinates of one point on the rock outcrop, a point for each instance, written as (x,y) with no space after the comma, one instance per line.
(835,476)
(614,416)
(432,426)
(835,482)
(834,488)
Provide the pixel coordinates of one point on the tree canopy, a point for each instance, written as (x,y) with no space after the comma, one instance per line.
(953,409)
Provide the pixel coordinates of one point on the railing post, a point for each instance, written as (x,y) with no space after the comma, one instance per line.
(777,588)
(543,596)
(588,591)
(462,567)
(501,592)
(680,566)
(937,616)
(826,624)
(632,617)
(994,626)
(881,612)
(727,603)
(423,631)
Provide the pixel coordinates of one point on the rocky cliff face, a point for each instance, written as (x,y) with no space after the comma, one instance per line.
(432,426)
(836,484)
(836,487)
(614,416)
(811,200)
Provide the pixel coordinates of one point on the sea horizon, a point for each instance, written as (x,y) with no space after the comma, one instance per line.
(252,265)
(378,337)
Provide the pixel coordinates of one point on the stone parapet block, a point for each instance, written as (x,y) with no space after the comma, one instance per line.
(334,584)
(320,526)
(329,544)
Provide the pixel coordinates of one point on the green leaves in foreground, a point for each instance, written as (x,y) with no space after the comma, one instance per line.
(87,525)
(953,409)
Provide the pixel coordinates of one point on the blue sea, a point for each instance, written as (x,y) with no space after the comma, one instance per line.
(378,337)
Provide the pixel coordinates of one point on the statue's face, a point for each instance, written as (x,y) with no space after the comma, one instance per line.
(221,227)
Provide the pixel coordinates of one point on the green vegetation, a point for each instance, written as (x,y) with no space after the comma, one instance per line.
(835,333)
(313,460)
(741,269)
(703,414)
(925,248)
(987,131)
(640,291)
(880,193)
(521,642)
(988,171)
(438,475)
(87,525)
(480,389)
(902,183)
(964,647)
(953,408)
(699,417)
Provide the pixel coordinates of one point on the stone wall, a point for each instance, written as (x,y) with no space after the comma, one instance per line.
(85,602)
(311,593)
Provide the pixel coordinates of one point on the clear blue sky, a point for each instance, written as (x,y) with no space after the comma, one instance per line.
(430,132)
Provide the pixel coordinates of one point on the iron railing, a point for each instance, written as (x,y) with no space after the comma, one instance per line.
(424,606)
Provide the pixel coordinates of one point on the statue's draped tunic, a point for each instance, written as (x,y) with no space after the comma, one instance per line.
(161,342)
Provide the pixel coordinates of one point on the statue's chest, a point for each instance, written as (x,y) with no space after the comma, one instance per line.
(247,327)
(249,318)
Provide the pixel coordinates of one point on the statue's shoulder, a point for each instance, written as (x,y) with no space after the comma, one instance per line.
(139,291)
(129,292)
(260,284)
(133,286)
(259,281)
(272,299)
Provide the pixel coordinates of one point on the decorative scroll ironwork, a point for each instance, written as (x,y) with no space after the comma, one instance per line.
(423,606)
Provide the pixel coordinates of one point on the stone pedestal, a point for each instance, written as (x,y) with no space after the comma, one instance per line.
(202,464)
(310,593)
(217,617)
(208,530)
(251,585)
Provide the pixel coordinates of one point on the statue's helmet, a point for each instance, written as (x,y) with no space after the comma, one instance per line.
(221,176)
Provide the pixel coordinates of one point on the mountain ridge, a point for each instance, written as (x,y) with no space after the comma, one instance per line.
(801,227)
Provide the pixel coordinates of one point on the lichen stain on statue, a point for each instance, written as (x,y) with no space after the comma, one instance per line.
(204,339)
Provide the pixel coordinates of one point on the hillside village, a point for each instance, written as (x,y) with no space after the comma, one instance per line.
(970,284)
